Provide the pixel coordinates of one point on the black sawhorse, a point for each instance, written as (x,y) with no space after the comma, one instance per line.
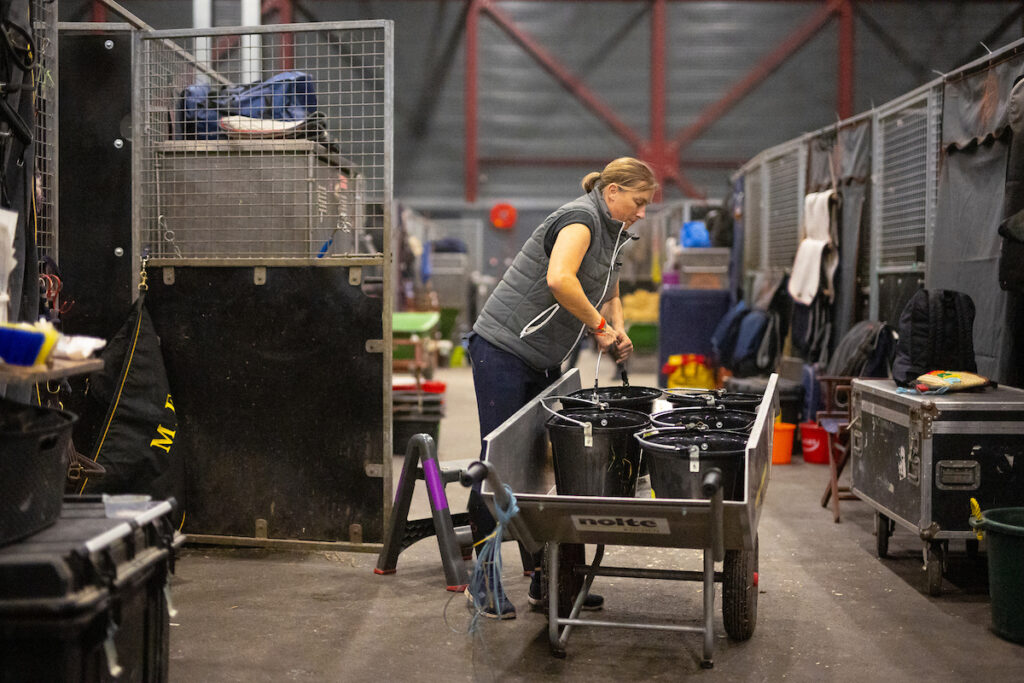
(454,539)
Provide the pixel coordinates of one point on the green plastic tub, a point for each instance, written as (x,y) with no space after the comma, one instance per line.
(1004,534)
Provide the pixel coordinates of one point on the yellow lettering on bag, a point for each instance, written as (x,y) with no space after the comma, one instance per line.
(166,442)
(169,404)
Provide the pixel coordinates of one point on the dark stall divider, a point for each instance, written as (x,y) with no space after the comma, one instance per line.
(279,402)
(95,219)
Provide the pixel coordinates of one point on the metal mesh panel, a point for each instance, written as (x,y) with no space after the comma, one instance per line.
(784,196)
(296,169)
(44,34)
(906,185)
(753,223)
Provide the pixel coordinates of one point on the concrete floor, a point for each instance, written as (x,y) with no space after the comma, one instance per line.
(828,608)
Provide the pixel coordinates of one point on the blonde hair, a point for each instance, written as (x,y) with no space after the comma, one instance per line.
(628,172)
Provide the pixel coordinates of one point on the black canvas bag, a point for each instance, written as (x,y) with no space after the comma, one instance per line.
(135,440)
(936,331)
(865,351)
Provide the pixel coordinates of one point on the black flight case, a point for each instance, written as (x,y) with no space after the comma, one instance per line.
(87,599)
(918,459)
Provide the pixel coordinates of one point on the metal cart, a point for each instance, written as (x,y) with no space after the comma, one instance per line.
(724,530)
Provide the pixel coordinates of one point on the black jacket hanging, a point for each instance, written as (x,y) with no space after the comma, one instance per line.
(1011,259)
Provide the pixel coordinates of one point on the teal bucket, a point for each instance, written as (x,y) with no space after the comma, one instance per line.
(1004,536)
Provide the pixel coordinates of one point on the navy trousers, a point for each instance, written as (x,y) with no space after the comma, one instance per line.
(503,384)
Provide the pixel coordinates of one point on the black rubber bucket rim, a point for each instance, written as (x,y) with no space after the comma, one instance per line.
(561,421)
(677,411)
(642,435)
(718,398)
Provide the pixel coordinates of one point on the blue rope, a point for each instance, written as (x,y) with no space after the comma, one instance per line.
(914,390)
(485,584)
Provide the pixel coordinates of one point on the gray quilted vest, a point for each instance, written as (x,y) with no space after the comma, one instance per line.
(522,317)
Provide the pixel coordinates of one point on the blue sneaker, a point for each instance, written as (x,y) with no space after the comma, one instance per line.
(484,604)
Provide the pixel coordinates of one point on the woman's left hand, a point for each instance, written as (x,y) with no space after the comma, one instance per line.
(624,346)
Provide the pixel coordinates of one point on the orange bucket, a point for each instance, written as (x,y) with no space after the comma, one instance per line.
(782,443)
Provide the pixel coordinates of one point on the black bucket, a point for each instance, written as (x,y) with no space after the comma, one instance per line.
(667,452)
(710,399)
(706,418)
(640,399)
(609,466)
(33,467)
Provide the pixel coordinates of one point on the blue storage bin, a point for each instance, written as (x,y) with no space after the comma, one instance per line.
(686,320)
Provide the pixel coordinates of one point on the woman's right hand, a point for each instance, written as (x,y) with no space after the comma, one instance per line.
(606,339)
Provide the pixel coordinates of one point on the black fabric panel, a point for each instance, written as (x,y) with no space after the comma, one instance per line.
(966,246)
(974,105)
(848,280)
(855,152)
(820,166)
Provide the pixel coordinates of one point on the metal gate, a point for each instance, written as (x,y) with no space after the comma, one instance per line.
(262,200)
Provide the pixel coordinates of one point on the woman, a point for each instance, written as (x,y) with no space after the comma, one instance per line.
(562,284)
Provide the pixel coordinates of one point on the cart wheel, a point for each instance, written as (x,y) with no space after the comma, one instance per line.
(883,529)
(569,583)
(739,592)
(934,568)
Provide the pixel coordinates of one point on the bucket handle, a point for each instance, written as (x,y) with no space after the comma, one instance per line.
(710,396)
(588,428)
(645,434)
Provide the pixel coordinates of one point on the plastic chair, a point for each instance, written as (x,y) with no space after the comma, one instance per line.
(835,419)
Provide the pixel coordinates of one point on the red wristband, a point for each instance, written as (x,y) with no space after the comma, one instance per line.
(600,325)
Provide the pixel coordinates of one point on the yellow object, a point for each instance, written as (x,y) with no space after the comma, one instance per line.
(50,340)
(952,380)
(976,513)
(688,371)
(640,306)
(457,357)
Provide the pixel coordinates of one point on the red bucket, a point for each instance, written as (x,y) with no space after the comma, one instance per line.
(814,443)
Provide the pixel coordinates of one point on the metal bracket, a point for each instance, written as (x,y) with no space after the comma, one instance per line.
(375,346)
(168,275)
(355,533)
(374,469)
(914,456)
(921,418)
(261,529)
(694,459)
(355,275)
(259,275)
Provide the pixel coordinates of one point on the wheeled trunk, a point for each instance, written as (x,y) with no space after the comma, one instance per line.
(920,459)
